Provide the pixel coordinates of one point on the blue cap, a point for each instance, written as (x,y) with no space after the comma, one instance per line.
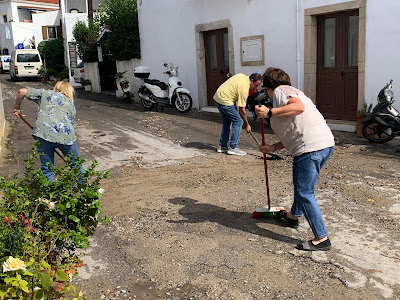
(260,72)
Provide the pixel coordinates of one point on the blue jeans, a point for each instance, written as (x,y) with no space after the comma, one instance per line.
(230,115)
(48,148)
(306,168)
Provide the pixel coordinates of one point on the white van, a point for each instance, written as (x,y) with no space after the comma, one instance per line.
(25,63)
(5,63)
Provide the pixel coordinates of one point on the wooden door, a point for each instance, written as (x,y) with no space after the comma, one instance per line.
(216,59)
(337,65)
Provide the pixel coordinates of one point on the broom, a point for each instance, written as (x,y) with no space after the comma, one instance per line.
(265,212)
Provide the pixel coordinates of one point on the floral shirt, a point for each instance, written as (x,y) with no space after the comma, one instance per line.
(55,118)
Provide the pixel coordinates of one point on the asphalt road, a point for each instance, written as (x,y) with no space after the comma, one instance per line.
(181,225)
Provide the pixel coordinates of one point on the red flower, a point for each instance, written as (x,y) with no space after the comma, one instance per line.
(32,229)
(6,219)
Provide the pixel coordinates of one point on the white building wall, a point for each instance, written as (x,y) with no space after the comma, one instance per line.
(382,55)
(167,30)
(382,41)
(5,8)
(51,18)
(21,33)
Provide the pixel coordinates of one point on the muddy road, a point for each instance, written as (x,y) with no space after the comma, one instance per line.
(181,225)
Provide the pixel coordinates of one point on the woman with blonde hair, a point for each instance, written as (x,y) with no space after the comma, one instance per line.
(54,126)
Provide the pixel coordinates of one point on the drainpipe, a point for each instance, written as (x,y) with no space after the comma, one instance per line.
(298,43)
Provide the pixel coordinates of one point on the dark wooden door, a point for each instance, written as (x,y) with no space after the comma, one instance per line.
(337,65)
(217,60)
(107,71)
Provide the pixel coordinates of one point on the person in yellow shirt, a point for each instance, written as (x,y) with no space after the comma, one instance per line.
(232,93)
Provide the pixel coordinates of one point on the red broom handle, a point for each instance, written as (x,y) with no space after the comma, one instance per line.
(265,162)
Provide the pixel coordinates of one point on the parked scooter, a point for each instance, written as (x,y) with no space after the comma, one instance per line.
(154,92)
(123,86)
(384,122)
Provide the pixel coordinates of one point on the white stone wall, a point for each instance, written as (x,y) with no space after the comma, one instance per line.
(51,18)
(2,119)
(167,32)
(21,33)
(382,41)
(382,55)
(134,82)
(92,73)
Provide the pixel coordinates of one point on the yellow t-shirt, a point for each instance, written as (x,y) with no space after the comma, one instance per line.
(234,90)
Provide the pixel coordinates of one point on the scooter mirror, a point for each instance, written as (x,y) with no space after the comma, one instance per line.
(165,65)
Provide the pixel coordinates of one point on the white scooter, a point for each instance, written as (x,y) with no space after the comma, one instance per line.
(123,86)
(154,92)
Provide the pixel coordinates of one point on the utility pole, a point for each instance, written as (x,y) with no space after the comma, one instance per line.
(90,10)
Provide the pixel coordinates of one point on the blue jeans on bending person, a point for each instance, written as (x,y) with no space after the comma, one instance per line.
(306,169)
(230,116)
(48,149)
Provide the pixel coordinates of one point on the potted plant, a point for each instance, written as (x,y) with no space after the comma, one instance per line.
(87,84)
(51,73)
(42,74)
(364,112)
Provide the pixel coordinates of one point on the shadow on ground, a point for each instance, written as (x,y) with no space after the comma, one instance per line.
(196,212)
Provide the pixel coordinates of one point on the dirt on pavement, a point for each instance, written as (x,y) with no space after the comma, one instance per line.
(181,214)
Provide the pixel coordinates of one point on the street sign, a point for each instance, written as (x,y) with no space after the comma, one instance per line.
(20,46)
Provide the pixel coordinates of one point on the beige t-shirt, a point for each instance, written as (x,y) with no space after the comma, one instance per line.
(235,89)
(303,133)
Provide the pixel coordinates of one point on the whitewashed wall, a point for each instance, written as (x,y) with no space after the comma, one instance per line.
(5,8)
(51,18)
(382,41)
(134,83)
(167,32)
(382,54)
(21,33)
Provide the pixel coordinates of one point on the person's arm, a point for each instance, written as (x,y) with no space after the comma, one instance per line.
(267,148)
(17,106)
(243,115)
(293,107)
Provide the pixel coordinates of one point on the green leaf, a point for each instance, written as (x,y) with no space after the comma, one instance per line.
(45,265)
(73,218)
(40,295)
(61,275)
(46,280)
(24,286)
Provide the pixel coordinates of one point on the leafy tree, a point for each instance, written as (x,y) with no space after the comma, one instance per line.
(86,40)
(52,51)
(121,18)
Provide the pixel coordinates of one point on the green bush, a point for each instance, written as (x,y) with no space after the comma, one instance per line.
(43,223)
(121,17)
(86,40)
(52,51)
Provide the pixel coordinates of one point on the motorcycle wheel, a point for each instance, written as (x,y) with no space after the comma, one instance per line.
(185,104)
(147,104)
(376,132)
(128,97)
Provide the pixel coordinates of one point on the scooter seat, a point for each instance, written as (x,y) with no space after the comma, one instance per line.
(156,82)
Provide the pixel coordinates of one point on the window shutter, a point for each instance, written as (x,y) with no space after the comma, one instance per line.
(59,33)
(44,32)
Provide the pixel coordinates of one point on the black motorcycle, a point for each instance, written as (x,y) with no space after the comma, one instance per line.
(384,122)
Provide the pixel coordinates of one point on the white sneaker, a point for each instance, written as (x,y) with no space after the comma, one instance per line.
(222,149)
(236,151)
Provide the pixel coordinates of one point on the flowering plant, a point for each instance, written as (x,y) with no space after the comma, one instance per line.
(42,223)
